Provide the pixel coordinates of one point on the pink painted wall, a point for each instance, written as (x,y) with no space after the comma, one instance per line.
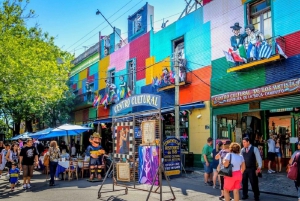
(140,49)
(118,59)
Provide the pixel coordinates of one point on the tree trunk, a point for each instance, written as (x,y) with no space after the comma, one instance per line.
(29,126)
(16,130)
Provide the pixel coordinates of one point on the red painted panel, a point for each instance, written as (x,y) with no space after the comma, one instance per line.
(206,2)
(292,44)
(102,113)
(140,49)
(74,86)
(85,115)
(90,79)
(199,89)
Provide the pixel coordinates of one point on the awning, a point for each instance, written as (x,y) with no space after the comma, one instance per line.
(107,120)
(192,106)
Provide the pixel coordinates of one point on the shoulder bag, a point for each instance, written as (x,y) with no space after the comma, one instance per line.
(227,171)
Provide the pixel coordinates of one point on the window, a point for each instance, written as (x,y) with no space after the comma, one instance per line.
(131,74)
(137,23)
(179,58)
(260,17)
(112,76)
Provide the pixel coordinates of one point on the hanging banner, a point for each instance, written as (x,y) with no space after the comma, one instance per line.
(273,90)
(137,100)
(172,159)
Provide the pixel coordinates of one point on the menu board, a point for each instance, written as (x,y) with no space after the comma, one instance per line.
(148,132)
(172,159)
(123,172)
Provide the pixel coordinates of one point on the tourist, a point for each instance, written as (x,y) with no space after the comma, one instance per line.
(279,154)
(13,175)
(12,155)
(234,183)
(3,158)
(215,163)
(28,157)
(297,182)
(73,150)
(251,156)
(207,160)
(271,153)
(54,154)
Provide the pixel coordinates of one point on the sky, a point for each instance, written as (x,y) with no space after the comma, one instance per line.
(75,25)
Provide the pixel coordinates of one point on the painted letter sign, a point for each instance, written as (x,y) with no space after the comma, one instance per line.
(172,160)
(265,92)
(137,100)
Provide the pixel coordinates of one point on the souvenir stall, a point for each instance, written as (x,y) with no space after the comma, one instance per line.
(137,147)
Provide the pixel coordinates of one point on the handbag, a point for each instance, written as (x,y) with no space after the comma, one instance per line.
(293,169)
(227,171)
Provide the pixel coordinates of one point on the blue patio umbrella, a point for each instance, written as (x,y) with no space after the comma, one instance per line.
(22,136)
(41,133)
(65,130)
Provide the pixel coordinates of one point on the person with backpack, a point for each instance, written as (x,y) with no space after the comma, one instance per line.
(296,169)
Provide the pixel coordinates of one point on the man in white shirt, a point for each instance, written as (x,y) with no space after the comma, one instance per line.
(271,153)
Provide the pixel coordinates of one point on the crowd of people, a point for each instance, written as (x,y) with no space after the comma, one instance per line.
(246,166)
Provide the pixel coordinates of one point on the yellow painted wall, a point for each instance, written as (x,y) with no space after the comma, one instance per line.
(197,132)
(155,70)
(103,66)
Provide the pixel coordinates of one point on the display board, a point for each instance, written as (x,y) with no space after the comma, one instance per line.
(148,132)
(172,159)
(123,172)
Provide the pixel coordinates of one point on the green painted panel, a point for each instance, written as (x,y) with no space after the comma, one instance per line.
(282,102)
(92,113)
(223,82)
(231,109)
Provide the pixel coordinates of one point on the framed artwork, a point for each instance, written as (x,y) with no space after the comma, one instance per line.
(148,164)
(148,132)
(224,122)
(124,140)
(123,172)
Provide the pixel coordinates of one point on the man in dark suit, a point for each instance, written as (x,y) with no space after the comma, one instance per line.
(237,39)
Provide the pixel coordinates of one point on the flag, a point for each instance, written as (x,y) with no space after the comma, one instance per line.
(265,50)
(96,101)
(236,57)
(280,51)
(242,52)
(228,56)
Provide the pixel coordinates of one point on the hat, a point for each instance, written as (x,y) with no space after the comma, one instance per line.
(14,164)
(236,26)
(220,143)
(96,135)
(209,139)
(228,142)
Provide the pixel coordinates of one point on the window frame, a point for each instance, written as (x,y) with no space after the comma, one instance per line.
(131,74)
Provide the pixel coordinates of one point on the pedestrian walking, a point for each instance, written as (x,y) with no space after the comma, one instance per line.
(278,155)
(271,153)
(220,156)
(13,175)
(12,155)
(54,154)
(297,182)
(28,157)
(3,158)
(251,156)
(234,183)
(215,163)
(207,160)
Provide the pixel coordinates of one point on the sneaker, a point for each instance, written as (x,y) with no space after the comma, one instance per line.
(220,187)
(12,189)
(273,171)
(28,186)
(270,171)
(214,187)
(24,187)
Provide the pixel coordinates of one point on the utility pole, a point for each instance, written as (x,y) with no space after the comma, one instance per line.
(176,66)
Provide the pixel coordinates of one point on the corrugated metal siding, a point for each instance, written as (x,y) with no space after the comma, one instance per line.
(231,109)
(282,102)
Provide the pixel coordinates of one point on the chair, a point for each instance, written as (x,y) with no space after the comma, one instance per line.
(85,166)
(72,169)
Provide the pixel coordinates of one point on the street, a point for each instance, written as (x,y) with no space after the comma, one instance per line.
(190,187)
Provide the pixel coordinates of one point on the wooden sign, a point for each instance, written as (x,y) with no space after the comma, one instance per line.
(148,132)
(123,172)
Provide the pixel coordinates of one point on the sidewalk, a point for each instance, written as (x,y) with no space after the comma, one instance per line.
(276,184)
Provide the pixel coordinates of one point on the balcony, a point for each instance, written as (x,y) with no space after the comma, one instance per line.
(84,100)
(275,45)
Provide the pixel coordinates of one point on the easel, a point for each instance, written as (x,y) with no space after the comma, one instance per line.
(160,170)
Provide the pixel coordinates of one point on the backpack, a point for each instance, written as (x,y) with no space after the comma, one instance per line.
(293,169)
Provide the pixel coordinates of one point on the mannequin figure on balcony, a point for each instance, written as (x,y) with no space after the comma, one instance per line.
(253,42)
(237,40)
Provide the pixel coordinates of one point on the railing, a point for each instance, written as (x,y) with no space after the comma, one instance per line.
(86,98)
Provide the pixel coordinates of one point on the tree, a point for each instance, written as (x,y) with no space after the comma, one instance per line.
(31,76)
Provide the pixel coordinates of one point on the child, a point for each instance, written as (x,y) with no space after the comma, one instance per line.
(14,175)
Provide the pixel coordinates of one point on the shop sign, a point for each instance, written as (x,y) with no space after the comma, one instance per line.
(137,100)
(274,90)
(281,110)
(172,159)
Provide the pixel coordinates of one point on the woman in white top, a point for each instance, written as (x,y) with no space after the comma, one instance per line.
(234,183)
(13,155)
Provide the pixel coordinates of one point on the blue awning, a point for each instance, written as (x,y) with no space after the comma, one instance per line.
(108,120)
(192,106)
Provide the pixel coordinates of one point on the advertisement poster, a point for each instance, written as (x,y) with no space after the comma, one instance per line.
(172,159)
(148,132)
(122,140)
(148,164)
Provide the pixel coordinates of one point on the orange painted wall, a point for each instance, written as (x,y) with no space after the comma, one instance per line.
(102,113)
(198,90)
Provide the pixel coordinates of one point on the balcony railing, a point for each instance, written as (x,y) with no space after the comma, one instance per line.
(265,52)
(84,99)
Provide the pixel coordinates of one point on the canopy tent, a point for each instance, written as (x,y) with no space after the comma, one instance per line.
(21,136)
(41,133)
(65,130)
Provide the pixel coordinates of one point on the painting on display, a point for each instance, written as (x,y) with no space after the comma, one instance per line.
(148,132)
(148,164)
(123,140)
(123,172)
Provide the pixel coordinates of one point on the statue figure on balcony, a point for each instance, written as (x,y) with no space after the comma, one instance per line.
(253,44)
(237,40)
(124,90)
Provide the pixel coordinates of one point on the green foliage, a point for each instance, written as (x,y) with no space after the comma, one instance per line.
(31,78)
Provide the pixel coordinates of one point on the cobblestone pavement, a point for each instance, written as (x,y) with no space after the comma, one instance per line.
(189,187)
